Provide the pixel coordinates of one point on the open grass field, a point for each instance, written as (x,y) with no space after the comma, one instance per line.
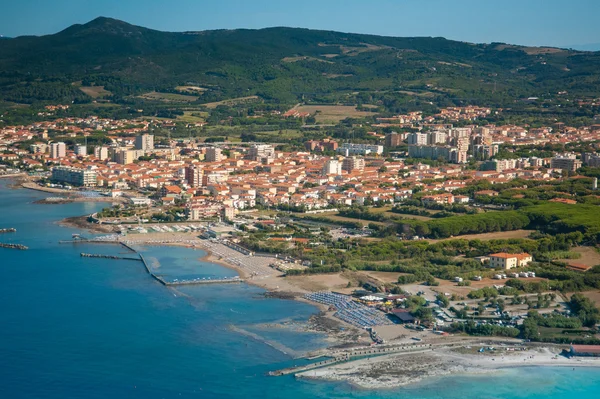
(387,211)
(322,282)
(500,235)
(304,58)
(589,256)
(332,113)
(279,135)
(190,89)
(168,97)
(334,216)
(406,216)
(95,91)
(193,116)
(593,296)
(231,101)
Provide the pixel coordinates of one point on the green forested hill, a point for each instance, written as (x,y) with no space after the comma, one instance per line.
(282,64)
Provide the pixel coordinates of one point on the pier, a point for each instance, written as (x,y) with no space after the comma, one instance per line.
(9,230)
(13,246)
(206,281)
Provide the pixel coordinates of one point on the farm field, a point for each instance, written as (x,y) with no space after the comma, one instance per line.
(589,256)
(280,135)
(332,113)
(95,91)
(192,116)
(231,101)
(191,89)
(168,97)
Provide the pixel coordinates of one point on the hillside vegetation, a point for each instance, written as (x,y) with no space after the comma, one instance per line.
(283,65)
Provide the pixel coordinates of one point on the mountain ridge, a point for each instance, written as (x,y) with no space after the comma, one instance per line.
(281,64)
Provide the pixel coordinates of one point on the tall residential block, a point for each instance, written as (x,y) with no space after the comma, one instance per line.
(101,153)
(81,150)
(393,140)
(58,150)
(260,151)
(332,167)
(214,154)
(144,142)
(353,163)
(566,162)
(193,175)
(417,139)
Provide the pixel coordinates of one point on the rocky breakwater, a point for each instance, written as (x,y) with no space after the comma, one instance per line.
(13,246)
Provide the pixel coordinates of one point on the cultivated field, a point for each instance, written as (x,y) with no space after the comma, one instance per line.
(332,113)
(95,91)
(191,89)
(168,97)
(304,58)
(589,256)
(192,116)
(231,101)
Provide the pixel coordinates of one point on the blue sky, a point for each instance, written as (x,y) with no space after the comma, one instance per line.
(528,22)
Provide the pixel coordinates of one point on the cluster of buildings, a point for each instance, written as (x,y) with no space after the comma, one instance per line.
(218,180)
(452,144)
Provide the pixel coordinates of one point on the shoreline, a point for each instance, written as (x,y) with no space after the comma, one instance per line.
(376,373)
(408,369)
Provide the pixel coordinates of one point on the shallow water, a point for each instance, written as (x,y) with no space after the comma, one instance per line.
(94,328)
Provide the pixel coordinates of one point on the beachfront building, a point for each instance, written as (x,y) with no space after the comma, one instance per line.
(73,176)
(508,261)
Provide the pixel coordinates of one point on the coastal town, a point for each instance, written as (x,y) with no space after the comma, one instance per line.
(220,205)
(276,216)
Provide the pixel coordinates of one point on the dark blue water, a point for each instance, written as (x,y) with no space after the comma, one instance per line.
(72,327)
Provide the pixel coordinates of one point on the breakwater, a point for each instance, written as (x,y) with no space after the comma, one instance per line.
(13,246)
(84,255)
(9,230)
(86,241)
(160,279)
(197,281)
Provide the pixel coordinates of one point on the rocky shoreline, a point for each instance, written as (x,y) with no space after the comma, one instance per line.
(81,222)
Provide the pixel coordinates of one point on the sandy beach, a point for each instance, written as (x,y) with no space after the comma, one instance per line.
(391,371)
(380,372)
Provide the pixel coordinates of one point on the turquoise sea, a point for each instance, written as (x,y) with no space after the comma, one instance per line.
(94,328)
